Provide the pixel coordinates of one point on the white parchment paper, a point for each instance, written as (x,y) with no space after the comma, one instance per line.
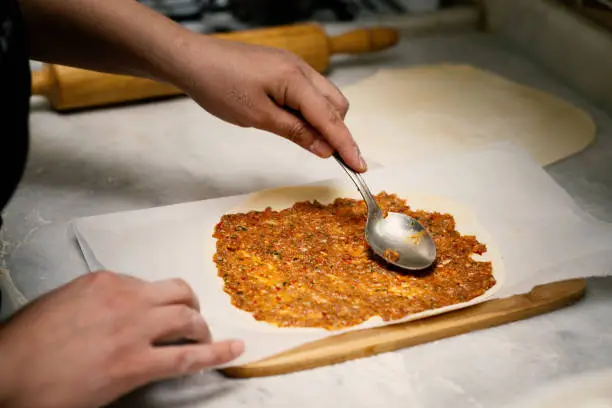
(541,234)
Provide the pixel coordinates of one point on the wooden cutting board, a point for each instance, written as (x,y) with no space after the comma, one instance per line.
(364,343)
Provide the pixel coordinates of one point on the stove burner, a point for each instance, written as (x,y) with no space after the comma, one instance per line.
(252,13)
(221,29)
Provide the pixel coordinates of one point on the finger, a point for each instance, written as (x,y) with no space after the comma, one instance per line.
(173,361)
(329,90)
(326,119)
(170,324)
(171,292)
(131,279)
(288,125)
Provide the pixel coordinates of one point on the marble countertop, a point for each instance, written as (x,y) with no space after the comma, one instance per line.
(142,156)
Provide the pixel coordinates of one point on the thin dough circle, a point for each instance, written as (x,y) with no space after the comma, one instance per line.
(455,107)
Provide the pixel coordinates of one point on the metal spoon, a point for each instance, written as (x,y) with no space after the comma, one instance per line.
(399,239)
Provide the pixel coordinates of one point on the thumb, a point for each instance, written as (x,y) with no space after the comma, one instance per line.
(173,361)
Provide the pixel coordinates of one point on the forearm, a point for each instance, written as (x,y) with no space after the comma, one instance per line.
(5,372)
(116,36)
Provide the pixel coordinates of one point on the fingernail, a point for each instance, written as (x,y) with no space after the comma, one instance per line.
(362,162)
(237,347)
(320,148)
(364,165)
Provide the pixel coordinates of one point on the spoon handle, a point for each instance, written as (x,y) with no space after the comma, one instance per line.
(361,185)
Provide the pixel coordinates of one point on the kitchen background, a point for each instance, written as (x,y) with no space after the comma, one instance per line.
(230,15)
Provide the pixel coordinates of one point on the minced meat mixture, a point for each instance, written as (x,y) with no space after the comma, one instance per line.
(310,266)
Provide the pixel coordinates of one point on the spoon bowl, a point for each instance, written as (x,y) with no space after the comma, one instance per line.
(401,241)
(397,238)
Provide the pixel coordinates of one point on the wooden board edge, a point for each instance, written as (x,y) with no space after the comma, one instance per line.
(369,342)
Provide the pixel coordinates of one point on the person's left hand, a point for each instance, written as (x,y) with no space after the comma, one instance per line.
(269,89)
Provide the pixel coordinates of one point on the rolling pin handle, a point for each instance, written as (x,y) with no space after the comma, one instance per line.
(41,81)
(363,40)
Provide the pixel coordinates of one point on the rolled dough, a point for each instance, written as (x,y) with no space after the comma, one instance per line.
(284,197)
(399,113)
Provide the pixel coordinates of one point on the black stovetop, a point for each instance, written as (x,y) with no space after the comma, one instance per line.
(231,15)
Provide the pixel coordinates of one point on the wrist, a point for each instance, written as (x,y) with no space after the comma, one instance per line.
(186,58)
(170,60)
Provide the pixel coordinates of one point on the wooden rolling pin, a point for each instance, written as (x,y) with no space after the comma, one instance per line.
(68,88)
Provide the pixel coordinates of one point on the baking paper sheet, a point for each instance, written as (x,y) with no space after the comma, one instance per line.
(541,234)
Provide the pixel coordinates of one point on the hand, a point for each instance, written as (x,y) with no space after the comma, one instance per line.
(98,337)
(269,89)
(247,85)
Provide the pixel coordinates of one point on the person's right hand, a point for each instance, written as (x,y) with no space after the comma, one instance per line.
(98,337)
